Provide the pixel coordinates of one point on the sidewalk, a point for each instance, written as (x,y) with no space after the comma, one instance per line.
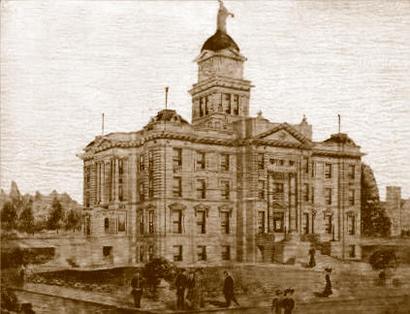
(150,306)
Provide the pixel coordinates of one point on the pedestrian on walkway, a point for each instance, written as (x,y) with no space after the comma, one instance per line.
(288,302)
(277,302)
(137,289)
(180,284)
(327,291)
(228,290)
(312,260)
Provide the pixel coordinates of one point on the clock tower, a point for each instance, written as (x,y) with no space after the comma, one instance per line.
(221,95)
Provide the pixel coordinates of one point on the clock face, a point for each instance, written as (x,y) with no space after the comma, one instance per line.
(207,69)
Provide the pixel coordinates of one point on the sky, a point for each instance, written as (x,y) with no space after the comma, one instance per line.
(63,63)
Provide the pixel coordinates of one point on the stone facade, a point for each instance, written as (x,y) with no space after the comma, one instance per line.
(226,187)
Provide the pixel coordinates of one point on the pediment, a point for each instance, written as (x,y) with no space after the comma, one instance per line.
(283,133)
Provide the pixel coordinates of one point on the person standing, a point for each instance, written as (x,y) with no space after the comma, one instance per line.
(312,260)
(288,301)
(328,287)
(137,287)
(228,290)
(277,302)
(180,283)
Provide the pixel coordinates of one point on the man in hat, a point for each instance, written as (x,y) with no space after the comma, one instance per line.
(277,302)
(137,286)
(228,290)
(181,283)
(288,301)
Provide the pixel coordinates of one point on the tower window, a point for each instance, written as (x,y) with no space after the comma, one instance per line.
(227,103)
(236,104)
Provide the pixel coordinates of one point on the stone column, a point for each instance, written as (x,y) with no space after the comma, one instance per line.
(116,180)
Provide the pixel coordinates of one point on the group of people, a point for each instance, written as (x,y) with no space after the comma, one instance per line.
(189,288)
(283,302)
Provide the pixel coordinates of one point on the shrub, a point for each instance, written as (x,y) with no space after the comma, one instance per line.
(157,269)
(383,259)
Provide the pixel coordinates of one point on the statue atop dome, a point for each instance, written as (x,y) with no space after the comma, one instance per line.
(223,14)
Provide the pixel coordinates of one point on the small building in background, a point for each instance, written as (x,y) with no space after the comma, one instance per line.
(398,210)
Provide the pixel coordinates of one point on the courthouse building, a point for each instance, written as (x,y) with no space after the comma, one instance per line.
(225,187)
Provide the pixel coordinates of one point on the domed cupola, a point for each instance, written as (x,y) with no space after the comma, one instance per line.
(221,95)
(219,41)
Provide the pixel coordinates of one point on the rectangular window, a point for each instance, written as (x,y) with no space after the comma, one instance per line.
(328,224)
(201,221)
(150,186)
(151,221)
(225,190)
(226,253)
(352,251)
(200,160)
(141,190)
(142,254)
(150,253)
(235,102)
(306,192)
(224,162)
(312,195)
(227,103)
(261,161)
(328,196)
(352,172)
(278,187)
(120,179)
(121,222)
(305,165)
(201,106)
(291,162)
(177,187)
(225,222)
(261,189)
(177,221)
(141,162)
(201,252)
(141,216)
(278,222)
(305,226)
(107,251)
(177,158)
(200,188)
(328,171)
(150,161)
(351,224)
(281,162)
(177,253)
(261,222)
(351,197)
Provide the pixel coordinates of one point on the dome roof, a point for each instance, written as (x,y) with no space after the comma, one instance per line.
(166,115)
(218,41)
(340,138)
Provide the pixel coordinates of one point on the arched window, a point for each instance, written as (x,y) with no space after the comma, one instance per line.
(106,225)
